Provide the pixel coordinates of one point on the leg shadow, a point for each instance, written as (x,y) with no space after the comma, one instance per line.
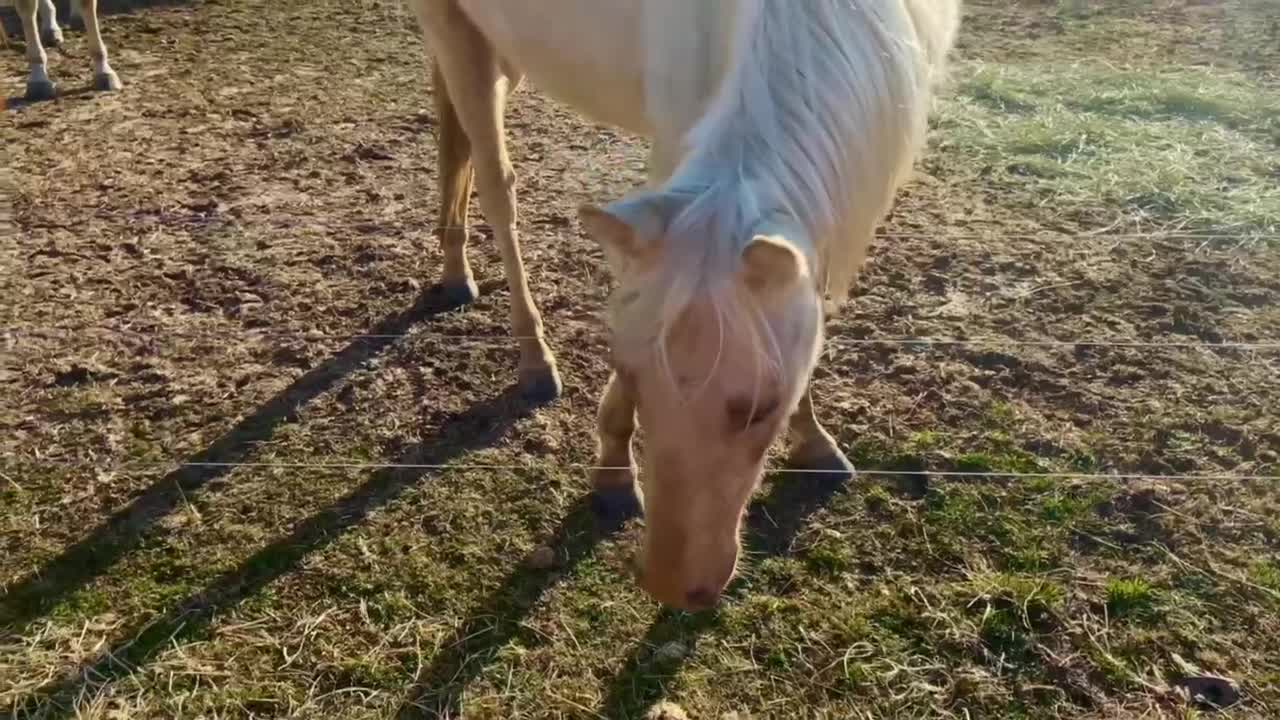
(773,522)
(477,427)
(79,564)
(437,690)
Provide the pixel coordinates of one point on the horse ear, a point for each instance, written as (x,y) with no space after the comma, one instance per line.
(608,230)
(631,227)
(771,262)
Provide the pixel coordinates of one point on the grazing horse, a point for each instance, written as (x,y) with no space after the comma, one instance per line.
(780,129)
(47,32)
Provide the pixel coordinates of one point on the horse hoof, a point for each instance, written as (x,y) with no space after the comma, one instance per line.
(833,467)
(613,507)
(38,90)
(107,82)
(51,38)
(541,386)
(461,294)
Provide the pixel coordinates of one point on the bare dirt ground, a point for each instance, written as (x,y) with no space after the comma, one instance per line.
(193,259)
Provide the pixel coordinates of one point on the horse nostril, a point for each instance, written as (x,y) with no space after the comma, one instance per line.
(701,599)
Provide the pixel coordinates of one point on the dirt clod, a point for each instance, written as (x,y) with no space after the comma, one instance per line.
(666,711)
(542,558)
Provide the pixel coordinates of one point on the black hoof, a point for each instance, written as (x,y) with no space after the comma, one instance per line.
(38,90)
(834,468)
(50,38)
(540,387)
(614,507)
(460,294)
(107,82)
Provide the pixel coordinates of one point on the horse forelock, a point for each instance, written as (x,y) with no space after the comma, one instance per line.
(695,285)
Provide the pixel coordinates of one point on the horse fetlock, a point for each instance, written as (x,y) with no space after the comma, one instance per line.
(821,457)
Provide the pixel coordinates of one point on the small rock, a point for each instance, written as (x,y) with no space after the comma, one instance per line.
(671,652)
(542,558)
(1209,691)
(666,711)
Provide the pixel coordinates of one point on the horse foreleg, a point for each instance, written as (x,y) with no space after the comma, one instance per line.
(478,88)
(615,496)
(812,447)
(104,78)
(39,86)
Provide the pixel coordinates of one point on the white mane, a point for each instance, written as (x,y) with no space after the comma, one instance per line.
(818,116)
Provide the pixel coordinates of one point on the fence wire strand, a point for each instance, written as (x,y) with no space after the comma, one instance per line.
(57,332)
(588,467)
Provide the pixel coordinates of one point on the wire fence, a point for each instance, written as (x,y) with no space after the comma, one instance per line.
(1004,341)
(16,334)
(163,466)
(1104,234)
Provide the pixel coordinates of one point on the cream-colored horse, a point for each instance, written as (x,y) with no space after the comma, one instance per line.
(780,132)
(44,30)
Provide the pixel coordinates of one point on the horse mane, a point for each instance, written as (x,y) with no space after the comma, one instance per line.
(819,115)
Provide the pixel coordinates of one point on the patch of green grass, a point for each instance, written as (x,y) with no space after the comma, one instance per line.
(927,440)
(1014,608)
(1009,461)
(831,556)
(1060,507)
(1175,146)
(1266,573)
(1130,598)
(85,603)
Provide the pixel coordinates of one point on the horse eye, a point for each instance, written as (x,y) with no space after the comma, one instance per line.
(743,412)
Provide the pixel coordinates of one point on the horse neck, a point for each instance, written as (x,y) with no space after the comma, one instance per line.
(816,118)
(772,137)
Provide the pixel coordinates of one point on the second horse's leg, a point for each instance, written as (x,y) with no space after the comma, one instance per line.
(39,86)
(104,78)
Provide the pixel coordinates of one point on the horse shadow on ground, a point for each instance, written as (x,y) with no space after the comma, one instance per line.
(477,427)
(78,565)
(772,524)
(437,691)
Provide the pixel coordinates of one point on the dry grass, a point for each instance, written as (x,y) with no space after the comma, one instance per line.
(263,190)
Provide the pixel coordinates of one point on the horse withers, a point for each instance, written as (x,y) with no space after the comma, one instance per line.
(780,132)
(40,28)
